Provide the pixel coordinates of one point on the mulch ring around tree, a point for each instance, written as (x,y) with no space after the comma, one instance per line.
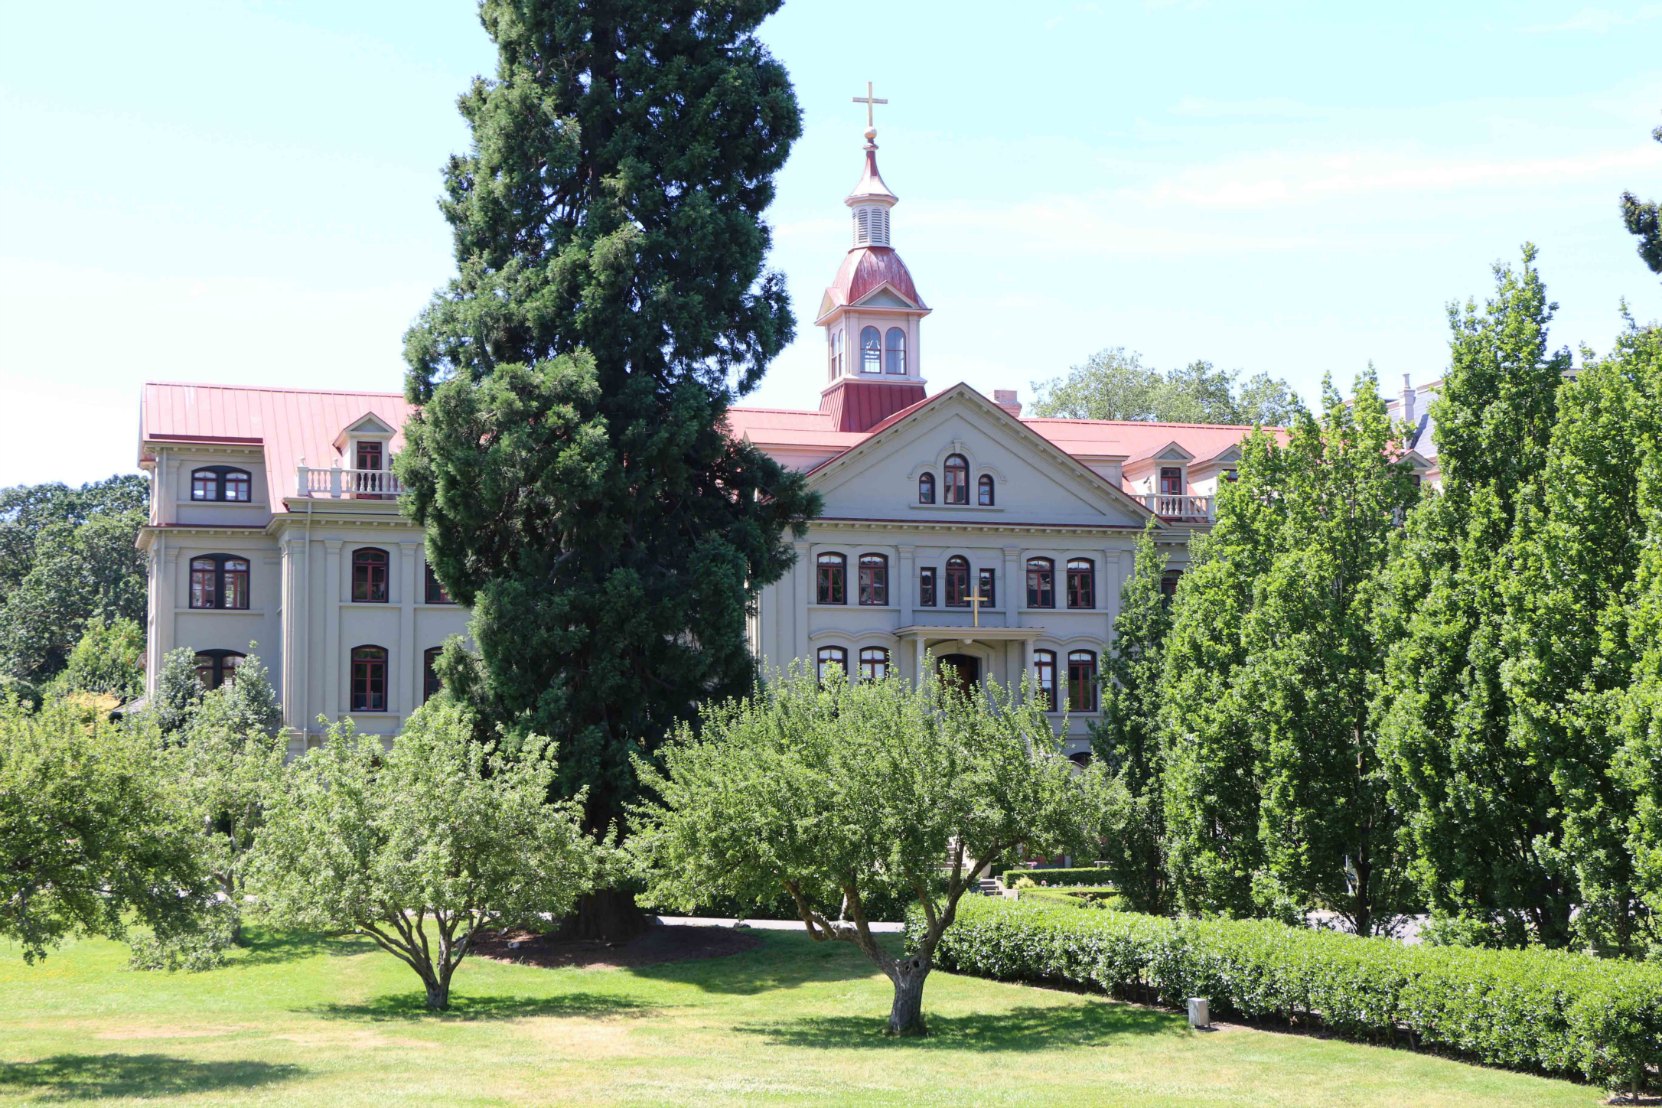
(656,945)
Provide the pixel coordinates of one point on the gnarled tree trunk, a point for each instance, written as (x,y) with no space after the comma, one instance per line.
(908,975)
(605,915)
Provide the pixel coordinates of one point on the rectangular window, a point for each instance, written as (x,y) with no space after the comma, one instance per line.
(926,587)
(874,663)
(831,585)
(369,679)
(829,656)
(987,586)
(1044,674)
(235,591)
(957,583)
(1082,681)
(1081,583)
(1041,583)
(204,582)
(1171,481)
(436,593)
(874,580)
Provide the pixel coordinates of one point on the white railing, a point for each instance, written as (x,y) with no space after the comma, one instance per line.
(1178,506)
(336,483)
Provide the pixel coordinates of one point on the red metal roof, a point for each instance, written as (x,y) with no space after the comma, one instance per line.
(856,405)
(871,186)
(866,269)
(1133,441)
(290,424)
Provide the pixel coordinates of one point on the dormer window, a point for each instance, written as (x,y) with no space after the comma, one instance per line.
(894,351)
(871,351)
(225,483)
(956,475)
(1171,480)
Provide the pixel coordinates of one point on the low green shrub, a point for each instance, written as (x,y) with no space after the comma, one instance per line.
(1077,896)
(1076,875)
(1537,1010)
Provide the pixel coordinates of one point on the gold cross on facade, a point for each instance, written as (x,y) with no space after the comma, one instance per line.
(975,607)
(868,100)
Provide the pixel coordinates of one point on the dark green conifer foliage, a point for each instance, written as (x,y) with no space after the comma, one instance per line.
(1644,220)
(1127,740)
(570,464)
(1478,811)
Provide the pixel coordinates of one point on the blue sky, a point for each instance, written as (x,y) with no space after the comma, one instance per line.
(244,192)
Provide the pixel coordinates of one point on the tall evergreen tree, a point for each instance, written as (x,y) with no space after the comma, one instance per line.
(1644,220)
(1127,740)
(1579,537)
(1314,659)
(570,463)
(1478,812)
(1212,747)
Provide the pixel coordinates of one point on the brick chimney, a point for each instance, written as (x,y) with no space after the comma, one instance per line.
(1006,399)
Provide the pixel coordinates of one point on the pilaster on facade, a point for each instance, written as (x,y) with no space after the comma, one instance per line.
(332,621)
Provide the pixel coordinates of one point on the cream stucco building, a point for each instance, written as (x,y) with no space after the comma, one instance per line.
(952,526)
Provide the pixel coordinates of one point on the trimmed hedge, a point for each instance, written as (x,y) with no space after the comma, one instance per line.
(1077,896)
(1077,875)
(1536,1010)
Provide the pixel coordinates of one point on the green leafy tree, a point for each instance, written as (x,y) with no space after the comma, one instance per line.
(1580,534)
(421,846)
(1313,664)
(1115,384)
(570,463)
(1479,812)
(840,793)
(108,660)
(1127,740)
(1644,220)
(67,560)
(94,832)
(1212,746)
(179,692)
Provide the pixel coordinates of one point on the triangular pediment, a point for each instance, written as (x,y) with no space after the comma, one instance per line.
(885,296)
(367,426)
(1173,451)
(1036,483)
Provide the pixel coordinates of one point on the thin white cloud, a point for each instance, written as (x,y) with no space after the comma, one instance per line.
(1282,180)
(1269,107)
(1598,21)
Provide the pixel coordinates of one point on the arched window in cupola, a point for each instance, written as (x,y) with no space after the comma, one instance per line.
(871,351)
(894,351)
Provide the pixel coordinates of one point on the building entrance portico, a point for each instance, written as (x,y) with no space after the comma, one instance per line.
(977,654)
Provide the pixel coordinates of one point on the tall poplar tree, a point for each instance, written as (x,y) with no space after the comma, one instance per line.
(570,463)
(1212,747)
(1314,657)
(1127,739)
(1478,811)
(1580,535)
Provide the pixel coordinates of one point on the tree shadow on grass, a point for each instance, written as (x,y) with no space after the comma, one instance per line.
(413,1006)
(1017,1029)
(262,947)
(784,961)
(111,1076)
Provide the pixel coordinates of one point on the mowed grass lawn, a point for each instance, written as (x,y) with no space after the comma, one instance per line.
(301,1020)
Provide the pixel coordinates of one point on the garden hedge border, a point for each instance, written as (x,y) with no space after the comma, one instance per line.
(1061,875)
(1540,1011)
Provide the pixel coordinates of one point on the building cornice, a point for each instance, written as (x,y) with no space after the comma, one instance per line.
(878,523)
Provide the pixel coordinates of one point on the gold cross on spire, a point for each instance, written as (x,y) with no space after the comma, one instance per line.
(868,100)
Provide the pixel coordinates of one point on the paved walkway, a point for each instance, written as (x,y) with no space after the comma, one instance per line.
(760,924)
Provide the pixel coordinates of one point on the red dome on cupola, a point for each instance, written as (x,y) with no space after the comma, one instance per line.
(866,269)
